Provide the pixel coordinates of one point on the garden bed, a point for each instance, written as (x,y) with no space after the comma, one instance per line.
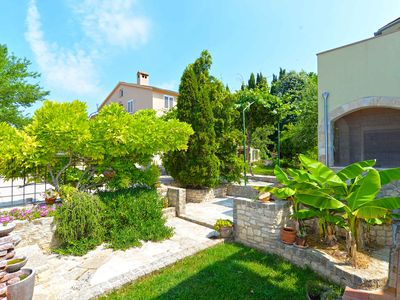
(258,225)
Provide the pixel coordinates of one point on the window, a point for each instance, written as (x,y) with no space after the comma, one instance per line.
(168,102)
(130,107)
(121,92)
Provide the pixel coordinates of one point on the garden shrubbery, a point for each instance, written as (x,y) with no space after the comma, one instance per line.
(122,218)
(79,223)
(133,215)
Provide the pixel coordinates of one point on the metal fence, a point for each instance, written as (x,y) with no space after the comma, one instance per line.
(20,192)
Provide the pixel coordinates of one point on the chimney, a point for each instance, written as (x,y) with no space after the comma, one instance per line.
(142,78)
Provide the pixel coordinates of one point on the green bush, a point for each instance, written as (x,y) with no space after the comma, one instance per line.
(79,223)
(133,215)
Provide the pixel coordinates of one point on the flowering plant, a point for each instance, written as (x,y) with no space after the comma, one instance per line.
(4,219)
(28,214)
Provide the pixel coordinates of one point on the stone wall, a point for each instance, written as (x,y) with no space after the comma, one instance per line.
(258,225)
(237,190)
(206,194)
(36,232)
(177,198)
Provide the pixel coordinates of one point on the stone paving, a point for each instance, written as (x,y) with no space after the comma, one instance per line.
(101,270)
(206,213)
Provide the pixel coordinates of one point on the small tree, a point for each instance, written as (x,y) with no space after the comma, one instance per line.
(63,146)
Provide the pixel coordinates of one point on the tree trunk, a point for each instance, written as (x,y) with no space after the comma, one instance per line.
(351,242)
(360,235)
(330,238)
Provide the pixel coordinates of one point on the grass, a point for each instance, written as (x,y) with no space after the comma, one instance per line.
(260,169)
(226,271)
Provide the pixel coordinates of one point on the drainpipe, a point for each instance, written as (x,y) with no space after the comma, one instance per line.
(325,95)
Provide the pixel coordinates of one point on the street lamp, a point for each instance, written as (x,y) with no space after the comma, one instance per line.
(244,141)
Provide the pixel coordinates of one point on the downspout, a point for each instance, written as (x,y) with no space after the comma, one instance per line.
(325,95)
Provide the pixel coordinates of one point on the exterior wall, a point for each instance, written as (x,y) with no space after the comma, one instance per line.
(258,225)
(158,102)
(363,74)
(142,98)
(237,190)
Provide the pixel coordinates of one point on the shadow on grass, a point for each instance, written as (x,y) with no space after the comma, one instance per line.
(236,272)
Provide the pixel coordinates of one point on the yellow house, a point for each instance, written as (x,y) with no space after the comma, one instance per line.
(359,100)
(140,95)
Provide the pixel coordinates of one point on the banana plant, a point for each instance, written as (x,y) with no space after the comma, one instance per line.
(298,179)
(350,193)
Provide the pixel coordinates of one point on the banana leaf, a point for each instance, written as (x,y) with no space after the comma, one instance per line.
(366,192)
(389,175)
(355,169)
(319,200)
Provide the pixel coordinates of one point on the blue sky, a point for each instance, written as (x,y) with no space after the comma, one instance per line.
(84,47)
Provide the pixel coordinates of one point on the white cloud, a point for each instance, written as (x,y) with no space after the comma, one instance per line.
(67,69)
(113,22)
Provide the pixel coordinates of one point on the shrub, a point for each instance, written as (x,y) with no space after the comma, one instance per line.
(79,223)
(132,215)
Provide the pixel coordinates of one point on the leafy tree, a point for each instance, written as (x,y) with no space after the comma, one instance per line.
(62,145)
(265,109)
(262,139)
(16,92)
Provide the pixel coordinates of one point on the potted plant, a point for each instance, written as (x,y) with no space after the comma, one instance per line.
(288,235)
(50,196)
(7,225)
(224,227)
(301,238)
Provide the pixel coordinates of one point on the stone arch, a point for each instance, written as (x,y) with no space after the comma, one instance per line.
(359,104)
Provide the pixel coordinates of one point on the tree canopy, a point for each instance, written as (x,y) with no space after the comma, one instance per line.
(16,88)
(62,145)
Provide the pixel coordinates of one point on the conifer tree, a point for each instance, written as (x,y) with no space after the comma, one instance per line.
(252,82)
(199,165)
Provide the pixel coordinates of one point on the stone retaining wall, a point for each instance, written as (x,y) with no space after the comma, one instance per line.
(237,190)
(206,194)
(258,225)
(36,232)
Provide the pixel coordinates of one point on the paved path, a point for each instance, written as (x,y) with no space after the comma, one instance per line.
(101,270)
(206,213)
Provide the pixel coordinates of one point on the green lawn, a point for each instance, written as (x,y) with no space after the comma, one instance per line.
(226,271)
(263,170)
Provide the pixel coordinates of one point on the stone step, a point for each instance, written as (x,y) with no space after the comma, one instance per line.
(190,219)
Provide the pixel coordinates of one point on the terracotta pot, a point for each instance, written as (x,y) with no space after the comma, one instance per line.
(225,232)
(288,235)
(50,200)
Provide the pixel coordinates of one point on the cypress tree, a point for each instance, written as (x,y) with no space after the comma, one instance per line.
(252,82)
(199,165)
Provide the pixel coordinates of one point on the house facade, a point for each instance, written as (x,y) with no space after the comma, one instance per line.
(359,101)
(140,95)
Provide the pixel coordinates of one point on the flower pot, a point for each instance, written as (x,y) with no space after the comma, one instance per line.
(15,264)
(22,290)
(225,232)
(264,197)
(50,200)
(288,235)
(6,229)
